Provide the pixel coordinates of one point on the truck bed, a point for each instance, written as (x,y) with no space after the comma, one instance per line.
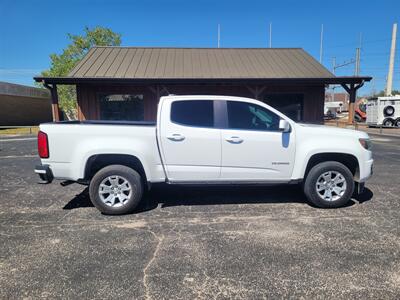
(72,143)
(105,122)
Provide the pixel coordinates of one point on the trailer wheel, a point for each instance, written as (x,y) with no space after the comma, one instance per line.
(388,111)
(116,190)
(388,122)
(397,122)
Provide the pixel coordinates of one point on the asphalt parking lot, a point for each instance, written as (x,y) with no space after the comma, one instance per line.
(197,243)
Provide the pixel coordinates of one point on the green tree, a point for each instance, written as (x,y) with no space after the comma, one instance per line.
(382,93)
(62,64)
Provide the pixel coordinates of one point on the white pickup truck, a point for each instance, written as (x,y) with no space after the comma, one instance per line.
(204,140)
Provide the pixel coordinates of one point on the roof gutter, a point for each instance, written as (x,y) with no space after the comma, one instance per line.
(138,81)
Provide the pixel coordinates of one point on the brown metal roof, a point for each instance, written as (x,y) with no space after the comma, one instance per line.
(198,63)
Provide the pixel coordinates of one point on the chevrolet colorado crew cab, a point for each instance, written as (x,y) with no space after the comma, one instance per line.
(204,140)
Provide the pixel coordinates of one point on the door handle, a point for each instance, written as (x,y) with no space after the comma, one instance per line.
(176,137)
(234,140)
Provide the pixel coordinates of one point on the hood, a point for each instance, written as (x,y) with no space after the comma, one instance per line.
(330,130)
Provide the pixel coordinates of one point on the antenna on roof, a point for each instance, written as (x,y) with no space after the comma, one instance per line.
(270,34)
(219,34)
(320,46)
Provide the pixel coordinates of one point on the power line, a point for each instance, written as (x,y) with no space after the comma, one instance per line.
(355,43)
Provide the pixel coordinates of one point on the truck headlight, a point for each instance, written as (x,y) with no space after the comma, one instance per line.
(366,143)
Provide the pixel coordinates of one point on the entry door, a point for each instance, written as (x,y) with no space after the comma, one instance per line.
(191,145)
(253,148)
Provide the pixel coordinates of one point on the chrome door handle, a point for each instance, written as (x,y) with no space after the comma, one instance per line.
(176,137)
(234,140)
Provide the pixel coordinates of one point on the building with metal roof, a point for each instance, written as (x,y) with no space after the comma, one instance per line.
(23,105)
(126,82)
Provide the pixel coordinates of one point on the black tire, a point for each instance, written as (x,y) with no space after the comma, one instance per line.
(388,111)
(388,122)
(310,184)
(397,122)
(124,174)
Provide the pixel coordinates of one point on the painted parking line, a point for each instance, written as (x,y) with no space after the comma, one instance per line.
(18,156)
(380,140)
(16,140)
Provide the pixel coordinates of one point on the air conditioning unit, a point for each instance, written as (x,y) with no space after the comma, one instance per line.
(384,111)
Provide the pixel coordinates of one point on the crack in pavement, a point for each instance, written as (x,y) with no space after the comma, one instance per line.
(151,261)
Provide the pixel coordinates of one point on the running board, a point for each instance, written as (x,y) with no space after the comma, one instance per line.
(229,182)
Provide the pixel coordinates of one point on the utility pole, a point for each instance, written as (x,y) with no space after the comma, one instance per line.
(357,64)
(389,83)
(270,34)
(334,67)
(358,58)
(320,46)
(333,71)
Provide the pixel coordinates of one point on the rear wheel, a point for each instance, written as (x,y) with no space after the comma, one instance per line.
(116,189)
(397,122)
(329,184)
(388,122)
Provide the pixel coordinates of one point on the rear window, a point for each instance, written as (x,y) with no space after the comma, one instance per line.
(198,113)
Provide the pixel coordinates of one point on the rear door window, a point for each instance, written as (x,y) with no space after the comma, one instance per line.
(196,113)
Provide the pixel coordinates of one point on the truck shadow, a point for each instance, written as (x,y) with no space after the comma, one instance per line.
(164,195)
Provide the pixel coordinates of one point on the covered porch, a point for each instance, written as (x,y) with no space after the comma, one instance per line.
(308,91)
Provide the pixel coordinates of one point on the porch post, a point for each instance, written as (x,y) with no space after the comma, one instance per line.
(256,91)
(54,101)
(352,90)
(54,104)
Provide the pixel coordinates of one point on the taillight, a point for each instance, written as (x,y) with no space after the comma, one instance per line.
(43,145)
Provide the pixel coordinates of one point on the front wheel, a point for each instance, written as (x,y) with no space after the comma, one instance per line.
(116,189)
(329,185)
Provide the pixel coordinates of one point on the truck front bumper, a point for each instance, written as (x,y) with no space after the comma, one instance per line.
(45,174)
(368,170)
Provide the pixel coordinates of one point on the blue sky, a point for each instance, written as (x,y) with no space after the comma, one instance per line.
(31,30)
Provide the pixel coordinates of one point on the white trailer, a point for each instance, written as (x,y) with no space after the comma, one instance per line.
(331,108)
(384,111)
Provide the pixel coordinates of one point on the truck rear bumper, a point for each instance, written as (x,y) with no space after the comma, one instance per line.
(45,174)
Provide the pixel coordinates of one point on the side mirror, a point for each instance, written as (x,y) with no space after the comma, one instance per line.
(284,126)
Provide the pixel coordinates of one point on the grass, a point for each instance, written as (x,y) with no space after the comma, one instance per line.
(28,130)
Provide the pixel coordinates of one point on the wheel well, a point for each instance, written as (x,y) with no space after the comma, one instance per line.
(350,161)
(97,162)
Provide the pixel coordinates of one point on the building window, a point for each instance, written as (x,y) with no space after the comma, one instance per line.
(198,113)
(250,116)
(290,105)
(122,107)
